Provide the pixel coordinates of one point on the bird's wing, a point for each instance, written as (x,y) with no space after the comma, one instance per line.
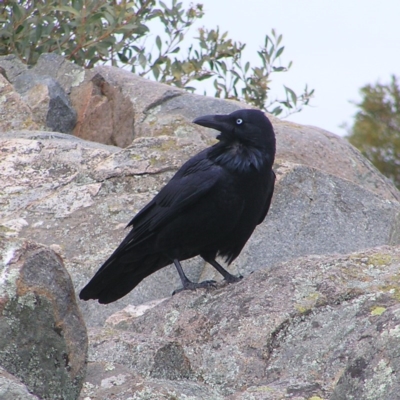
(270,192)
(193,181)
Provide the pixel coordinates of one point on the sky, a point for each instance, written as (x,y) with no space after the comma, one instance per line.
(337,46)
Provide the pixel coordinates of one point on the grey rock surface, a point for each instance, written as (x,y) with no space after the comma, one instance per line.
(13,66)
(14,112)
(317,213)
(322,326)
(320,149)
(66,73)
(48,101)
(12,388)
(43,339)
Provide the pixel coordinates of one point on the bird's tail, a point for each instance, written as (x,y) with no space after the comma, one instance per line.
(116,277)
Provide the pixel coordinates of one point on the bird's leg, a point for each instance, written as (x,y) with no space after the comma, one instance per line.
(227,276)
(186,283)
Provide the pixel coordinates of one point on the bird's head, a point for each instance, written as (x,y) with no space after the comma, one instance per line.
(247,139)
(248,127)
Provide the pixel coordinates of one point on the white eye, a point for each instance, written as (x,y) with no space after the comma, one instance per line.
(239,121)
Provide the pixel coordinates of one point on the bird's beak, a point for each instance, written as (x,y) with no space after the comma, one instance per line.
(218,122)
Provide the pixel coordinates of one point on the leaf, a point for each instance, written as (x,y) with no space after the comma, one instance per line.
(110,17)
(276,111)
(233,72)
(94,18)
(142,60)
(205,76)
(17,11)
(279,52)
(271,51)
(90,54)
(286,104)
(19,29)
(292,95)
(68,9)
(158,43)
(38,32)
(156,71)
(234,89)
(123,57)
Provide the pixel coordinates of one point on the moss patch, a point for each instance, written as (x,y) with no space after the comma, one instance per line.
(380,259)
(378,310)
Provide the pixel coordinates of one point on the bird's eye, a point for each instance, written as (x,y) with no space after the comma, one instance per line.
(239,121)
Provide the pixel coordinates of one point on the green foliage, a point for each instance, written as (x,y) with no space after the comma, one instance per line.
(83,31)
(117,32)
(376,130)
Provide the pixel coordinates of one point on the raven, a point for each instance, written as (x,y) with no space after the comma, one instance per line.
(210,207)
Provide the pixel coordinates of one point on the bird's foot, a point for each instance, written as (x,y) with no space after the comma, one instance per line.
(232,278)
(193,286)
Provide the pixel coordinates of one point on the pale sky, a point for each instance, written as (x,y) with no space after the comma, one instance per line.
(336,46)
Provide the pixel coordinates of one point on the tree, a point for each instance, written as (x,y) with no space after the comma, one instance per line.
(117,32)
(376,130)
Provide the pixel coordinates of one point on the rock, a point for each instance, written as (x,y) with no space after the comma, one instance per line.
(322,326)
(160,109)
(105,115)
(164,110)
(45,89)
(118,320)
(114,107)
(13,66)
(14,112)
(317,213)
(66,73)
(330,153)
(43,340)
(117,382)
(13,389)
(62,185)
(79,196)
(47,100)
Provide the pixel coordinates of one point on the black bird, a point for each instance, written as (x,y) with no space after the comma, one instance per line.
(210,207)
